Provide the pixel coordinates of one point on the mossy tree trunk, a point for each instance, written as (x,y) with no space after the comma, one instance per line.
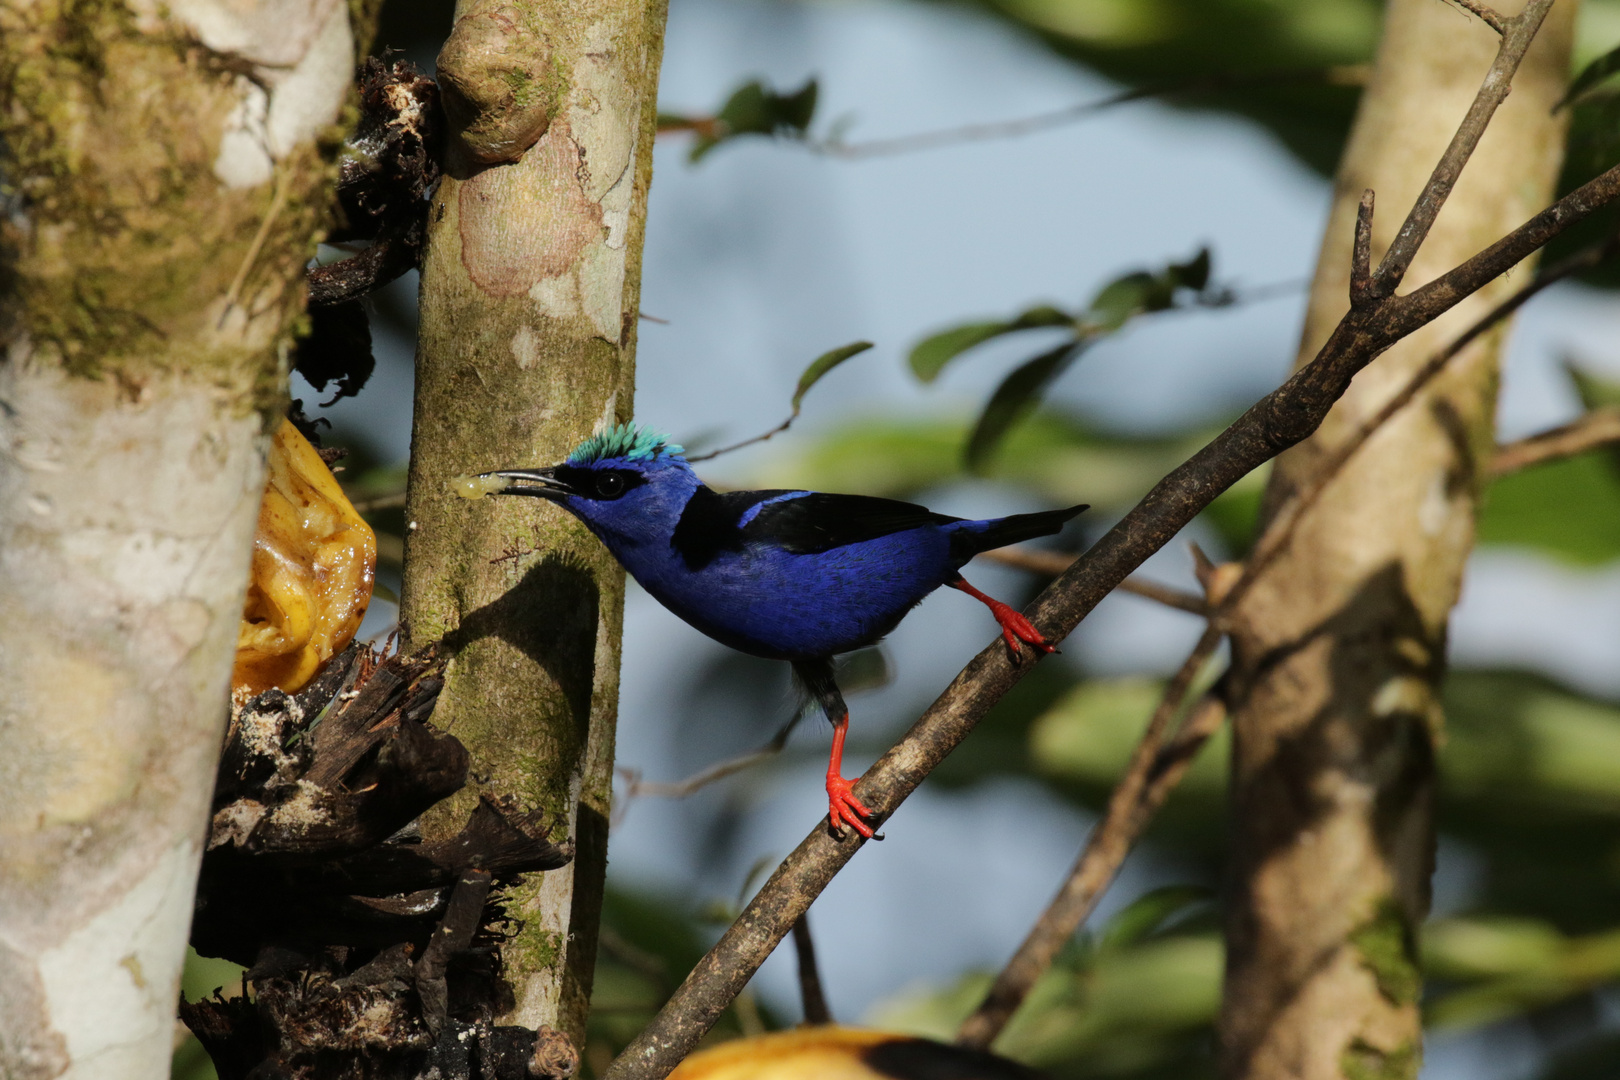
(1340,648)
(529,305)
(163,183)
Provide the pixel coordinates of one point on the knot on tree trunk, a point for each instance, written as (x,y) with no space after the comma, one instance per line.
(499,88)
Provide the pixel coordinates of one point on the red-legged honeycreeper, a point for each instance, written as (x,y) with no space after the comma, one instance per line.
(799,576)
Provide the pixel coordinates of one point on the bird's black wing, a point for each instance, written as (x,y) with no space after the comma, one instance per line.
(815,522)
(709,523)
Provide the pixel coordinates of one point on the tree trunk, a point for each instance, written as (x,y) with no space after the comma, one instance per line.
(163,188)
(530,292)
(1340,647)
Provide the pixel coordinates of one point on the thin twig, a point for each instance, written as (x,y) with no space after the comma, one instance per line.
(810,992)
(1281,419)
(1488,15)
(1053,563)
(278,199)
(1361,253)
(1517,33)
(1600,427)
(750,441)
(1147,780)
(394,500)
(680,789)
(1338,75)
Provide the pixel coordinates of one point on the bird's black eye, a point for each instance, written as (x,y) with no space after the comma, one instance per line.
(609,485)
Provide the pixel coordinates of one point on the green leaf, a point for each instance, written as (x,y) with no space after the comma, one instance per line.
(1594,73)
(1595,390)
(1124,297)
(930,355)
(1192,274)
(823,364)
(1015,398)
(1569,509)
(755,109)
(1147,913)
(1141,291)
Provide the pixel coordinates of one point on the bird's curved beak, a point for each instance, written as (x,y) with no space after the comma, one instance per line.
(541,483)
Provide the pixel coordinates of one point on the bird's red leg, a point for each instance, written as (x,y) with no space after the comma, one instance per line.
(1014,627)
(843,808)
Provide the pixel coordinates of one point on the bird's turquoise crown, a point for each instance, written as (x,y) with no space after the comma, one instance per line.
(626,441)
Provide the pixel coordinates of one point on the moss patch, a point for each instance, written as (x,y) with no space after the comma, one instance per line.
(1387,947)
(533,949)
(1364,1061)
(131,241)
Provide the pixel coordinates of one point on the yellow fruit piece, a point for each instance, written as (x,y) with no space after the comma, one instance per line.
(831,1052)
(314,563)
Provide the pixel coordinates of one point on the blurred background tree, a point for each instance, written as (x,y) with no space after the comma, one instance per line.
(779,246)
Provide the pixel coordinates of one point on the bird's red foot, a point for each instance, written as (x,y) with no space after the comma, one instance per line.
(1015,629)
(843,808)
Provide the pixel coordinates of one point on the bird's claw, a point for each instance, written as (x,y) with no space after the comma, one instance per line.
(1017,630)
(843,808)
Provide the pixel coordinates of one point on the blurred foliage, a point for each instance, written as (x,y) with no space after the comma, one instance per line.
(1229,55)
(1569,508)
(1135,998)
(752,109)
(1139,292)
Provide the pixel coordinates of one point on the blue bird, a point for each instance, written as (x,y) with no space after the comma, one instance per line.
(799,576)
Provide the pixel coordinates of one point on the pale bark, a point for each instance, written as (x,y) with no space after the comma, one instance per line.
(1340,646)
(167,193)
(530,291)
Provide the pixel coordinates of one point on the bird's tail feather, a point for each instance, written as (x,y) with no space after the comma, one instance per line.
(999,532)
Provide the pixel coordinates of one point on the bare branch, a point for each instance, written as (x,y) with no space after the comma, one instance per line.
(810,993)
(1517,33)
(1053,563)
(1488,15)
(1148,779)
(1600,427)
(1361,254)
(680,789)
(1335,75)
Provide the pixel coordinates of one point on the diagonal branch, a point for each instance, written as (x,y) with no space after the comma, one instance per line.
(1600,427)
(1053,563)
(1153,772)
(1517,33)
